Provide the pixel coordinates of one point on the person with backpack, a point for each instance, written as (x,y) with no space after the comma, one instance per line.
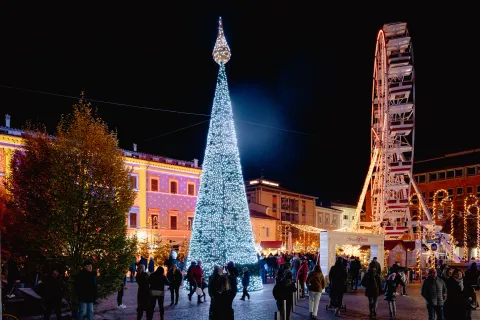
(283,291)
(373,288)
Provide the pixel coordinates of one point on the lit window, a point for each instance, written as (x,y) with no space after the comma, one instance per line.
(154,185)
(134,182)
(189,223)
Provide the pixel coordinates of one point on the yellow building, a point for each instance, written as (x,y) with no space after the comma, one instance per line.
(287,206)
(166,190)
(264,226)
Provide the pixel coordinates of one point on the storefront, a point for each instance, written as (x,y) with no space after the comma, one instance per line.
(273,247)
(330,240)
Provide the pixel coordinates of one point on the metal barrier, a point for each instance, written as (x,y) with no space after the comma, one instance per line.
(278,314)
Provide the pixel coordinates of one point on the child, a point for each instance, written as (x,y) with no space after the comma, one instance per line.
(390,294)
(245,283)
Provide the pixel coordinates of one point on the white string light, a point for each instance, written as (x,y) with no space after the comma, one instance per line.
(222,230)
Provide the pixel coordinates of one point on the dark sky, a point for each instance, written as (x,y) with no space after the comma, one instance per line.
(298,67)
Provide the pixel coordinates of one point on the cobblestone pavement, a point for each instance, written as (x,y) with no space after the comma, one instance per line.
(262,306)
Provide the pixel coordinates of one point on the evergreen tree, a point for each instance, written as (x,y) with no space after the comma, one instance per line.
(222,230)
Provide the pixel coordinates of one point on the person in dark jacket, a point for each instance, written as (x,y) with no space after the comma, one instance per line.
(391,294)
(232,275)
(86,290)
(373,288)
(143,261)
(245,283)
(52,289)
(212,287)
(222,309)
(13,273)
(143,293)
(132,269)
(157,282)
(455,302)
(175,277)
(283,291)
(355,267)
(337,278)
(434,291)
(151,265)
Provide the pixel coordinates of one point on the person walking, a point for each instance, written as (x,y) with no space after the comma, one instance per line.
(354,270)
(373,288)
(222,309)
(157,282)
(434,291)
(120,304)
(232,275)
(132,269)
(337,277)
(151,265)
(456,302)
(143,293)
(245,283)
(174,276)
(86,289)
(283,291)
(196,275)
(391,295)
(315,284)
(302,277)
(52,288)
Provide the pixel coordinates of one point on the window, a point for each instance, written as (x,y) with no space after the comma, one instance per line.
(274,203)
(154,185)
(304,207)
(173,187)
(450,174)
(327,218)
(253,197)
(267,232)
(478,191)
(134,181)
(430,196)
(173,222)
(469,189)
(189,223)
(471,171)
(353,217)
(458,173)
(345,217)
(441,175)
(432,176)
(133,220)
(459,191)
(421,178)
(248,198)
(334,219)
(319,219)
(450,192)
(191,189)
(440,196)
(154,221)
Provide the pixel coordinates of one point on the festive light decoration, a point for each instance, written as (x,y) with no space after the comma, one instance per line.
(306,228)
(469,202)
(222,230)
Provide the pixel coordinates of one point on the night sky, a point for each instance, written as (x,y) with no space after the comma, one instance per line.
(297,67)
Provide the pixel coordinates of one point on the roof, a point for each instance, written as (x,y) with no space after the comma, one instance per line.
(390,244)
(261,215)
(271,244)
(448,161)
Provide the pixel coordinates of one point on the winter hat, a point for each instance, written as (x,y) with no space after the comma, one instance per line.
(87,262)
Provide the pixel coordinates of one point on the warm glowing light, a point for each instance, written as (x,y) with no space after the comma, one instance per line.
(270,183)
(221,51)
(254,182)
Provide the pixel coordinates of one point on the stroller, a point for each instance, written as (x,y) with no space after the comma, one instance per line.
(338,296)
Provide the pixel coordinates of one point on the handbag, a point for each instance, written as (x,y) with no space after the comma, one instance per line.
(157,293)
(199,291)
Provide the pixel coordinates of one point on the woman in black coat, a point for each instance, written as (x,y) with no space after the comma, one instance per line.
(143,293)
(337,278)
(373,288)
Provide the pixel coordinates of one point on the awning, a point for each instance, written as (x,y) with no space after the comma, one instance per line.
(271,244)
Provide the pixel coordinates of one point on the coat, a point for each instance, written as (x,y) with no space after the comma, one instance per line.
(86,286)
(390,290)
(246,279)
(52,289)
(372,283)
(434,291)
(337,278)
(143,293)
(302,272)
(316,281)
(158,281)
(175,278)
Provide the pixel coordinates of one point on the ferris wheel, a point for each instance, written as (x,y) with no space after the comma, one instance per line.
(389,179)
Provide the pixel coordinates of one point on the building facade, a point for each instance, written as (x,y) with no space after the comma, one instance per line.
(166,191)
(286,206)
(328,218)
(264,226)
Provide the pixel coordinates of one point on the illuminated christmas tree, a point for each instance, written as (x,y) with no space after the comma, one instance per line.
(222,230)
